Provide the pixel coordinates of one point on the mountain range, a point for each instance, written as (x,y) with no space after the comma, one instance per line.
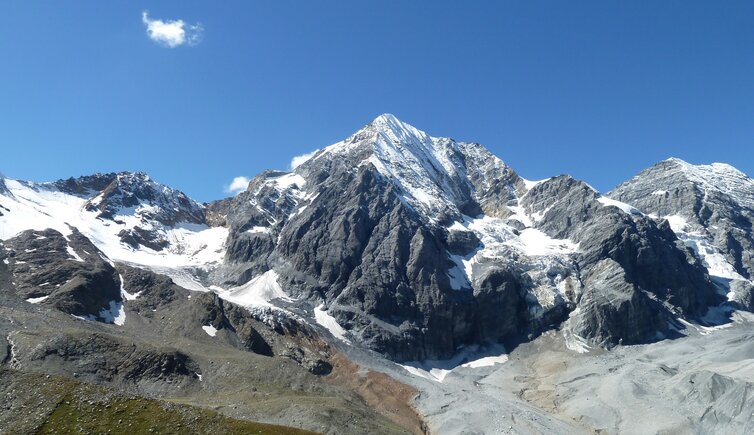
(389,252)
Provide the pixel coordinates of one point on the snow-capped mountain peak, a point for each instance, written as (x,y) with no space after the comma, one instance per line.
(436,176)
(396,130)
(721,178)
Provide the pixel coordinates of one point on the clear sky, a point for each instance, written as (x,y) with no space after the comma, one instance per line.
(599,90)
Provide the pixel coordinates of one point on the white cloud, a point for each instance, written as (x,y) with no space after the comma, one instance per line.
(296,161)
(172,33)
(238,185)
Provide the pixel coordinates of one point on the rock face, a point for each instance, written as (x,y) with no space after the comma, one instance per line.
(3,188)
(221,315)
(613,310)
(627,298)
(710,208)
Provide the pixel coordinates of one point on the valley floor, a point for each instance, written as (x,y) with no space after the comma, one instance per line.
(701,383)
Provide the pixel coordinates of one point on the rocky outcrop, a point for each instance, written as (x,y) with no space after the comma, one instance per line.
(613,311)
(68,273)
(150,290)
(3,188)
(104,358)
(222,315)
(493,183)
(744,294)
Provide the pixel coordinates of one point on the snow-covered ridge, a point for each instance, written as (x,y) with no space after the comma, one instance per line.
(31,206)
(708,207)
(427,168)
(157,202)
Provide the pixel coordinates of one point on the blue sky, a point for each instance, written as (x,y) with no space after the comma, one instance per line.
(599,89)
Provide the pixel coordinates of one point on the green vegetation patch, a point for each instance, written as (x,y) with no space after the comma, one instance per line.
(138,415)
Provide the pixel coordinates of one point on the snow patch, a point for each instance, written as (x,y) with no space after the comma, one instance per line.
(257,292)
(497,239)
(608,202)
(535,242)
(520,215)
(126,295)
(324,319)
(459,278)
(37,300)
(577,343)
(486,361)
(115,313)
(72,253)
(184,277)
(531,184)
(716,319)
(289,180)
(470,357)
(210,330)
(573,341)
